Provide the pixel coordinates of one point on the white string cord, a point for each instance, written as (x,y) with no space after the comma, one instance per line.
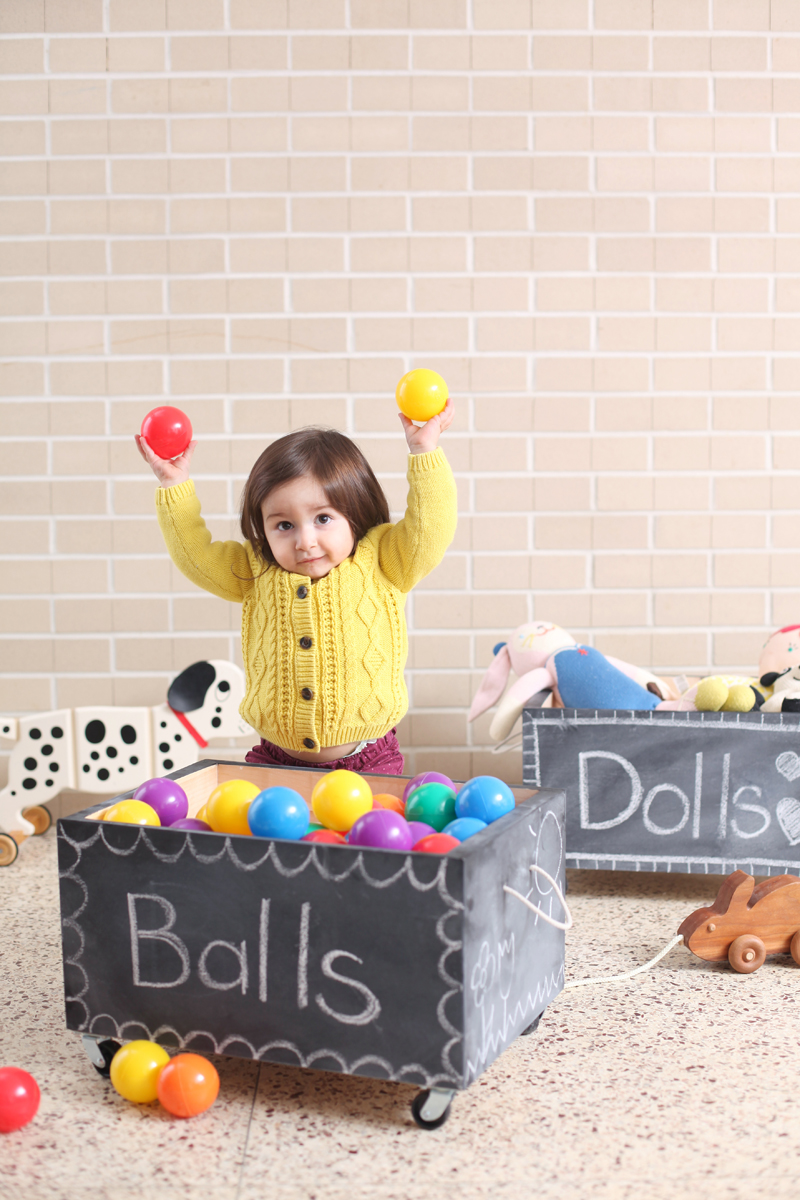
(564,925)
(512,742)
(627,974)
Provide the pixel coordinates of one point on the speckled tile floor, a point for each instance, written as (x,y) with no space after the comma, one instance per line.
(682,1081)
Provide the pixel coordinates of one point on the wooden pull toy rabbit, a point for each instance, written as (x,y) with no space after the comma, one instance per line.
(746,923)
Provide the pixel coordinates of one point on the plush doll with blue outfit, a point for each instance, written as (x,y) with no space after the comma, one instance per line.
(548,661)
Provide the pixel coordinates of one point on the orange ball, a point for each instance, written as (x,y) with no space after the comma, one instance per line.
(188,1085)
(393,803)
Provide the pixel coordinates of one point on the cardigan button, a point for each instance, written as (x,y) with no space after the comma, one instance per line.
(307,694)
(306,643)
(309,743)
(302,591)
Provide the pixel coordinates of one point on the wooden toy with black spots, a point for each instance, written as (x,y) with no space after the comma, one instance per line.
(112,749)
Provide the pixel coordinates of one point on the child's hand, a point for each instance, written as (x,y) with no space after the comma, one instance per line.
(424,438)
(167,471)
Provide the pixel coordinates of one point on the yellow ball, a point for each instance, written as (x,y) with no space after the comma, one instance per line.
(421,394)
(135,1070)
(340,798)
(202,814)
(741,698)
(132,812)
(226,807)
(711,694)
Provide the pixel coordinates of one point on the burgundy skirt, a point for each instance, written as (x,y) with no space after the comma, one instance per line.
(381,758)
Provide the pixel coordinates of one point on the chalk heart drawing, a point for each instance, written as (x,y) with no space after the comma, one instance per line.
(788,764)
(788,813)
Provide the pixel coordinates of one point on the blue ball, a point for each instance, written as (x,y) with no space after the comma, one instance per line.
(485,798)
(464,827)
(278,812)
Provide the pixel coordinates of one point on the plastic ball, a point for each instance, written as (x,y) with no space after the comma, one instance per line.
(167,431)
(426,777)
(433,803)
(202,814)
(340,798)
(382,829)
(188,1085)
(226,807)
(486,798)
(393,803)
(278,812)
(419,830)
(135,1070)
(437,843)
(421,394)
(192,823)
(165,796)
(19,1098)
(132,812)
(328,837)
(464,827)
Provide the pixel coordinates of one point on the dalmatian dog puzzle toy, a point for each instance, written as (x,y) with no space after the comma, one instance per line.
(111,749)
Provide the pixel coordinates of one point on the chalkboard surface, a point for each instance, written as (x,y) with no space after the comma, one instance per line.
(666,791)
(411,967)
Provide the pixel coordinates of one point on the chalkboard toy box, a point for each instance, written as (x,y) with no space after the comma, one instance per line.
(672,791)
(412,967)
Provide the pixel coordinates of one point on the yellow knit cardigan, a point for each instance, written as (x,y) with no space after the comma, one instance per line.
(323,659)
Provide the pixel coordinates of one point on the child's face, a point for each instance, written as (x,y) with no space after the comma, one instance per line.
(306,535)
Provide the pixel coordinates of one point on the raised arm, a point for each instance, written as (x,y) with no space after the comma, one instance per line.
(409,550)
(222,568)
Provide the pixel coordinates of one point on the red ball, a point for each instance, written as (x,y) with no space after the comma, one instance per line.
(327,836)
(19,1098)
(437,843)
(167,431)
(188,1085)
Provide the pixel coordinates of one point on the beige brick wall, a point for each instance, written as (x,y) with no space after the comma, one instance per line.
(585,215)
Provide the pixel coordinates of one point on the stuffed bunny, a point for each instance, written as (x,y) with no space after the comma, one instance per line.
(548,660)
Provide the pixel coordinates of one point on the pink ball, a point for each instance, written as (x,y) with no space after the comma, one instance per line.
(166,796)
(427,777)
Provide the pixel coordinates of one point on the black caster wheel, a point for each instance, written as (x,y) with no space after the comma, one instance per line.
(430,1109)
(101,1053)
(534,1025)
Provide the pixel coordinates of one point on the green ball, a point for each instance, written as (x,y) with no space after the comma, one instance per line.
(433,803)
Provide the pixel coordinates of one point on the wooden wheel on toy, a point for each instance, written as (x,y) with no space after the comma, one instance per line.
(39,817)
(747,953)
(794,947)
(8,850)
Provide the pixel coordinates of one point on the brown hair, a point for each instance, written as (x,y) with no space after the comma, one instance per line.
(337,465)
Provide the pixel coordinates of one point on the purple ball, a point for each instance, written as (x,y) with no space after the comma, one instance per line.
(427,777)
(166,796)
(419,830)
(382,829)
(191,823)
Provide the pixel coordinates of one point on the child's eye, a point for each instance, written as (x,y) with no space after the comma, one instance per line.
(323,518)
(284,525)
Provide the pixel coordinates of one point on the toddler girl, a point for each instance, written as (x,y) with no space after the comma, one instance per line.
(322,578)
